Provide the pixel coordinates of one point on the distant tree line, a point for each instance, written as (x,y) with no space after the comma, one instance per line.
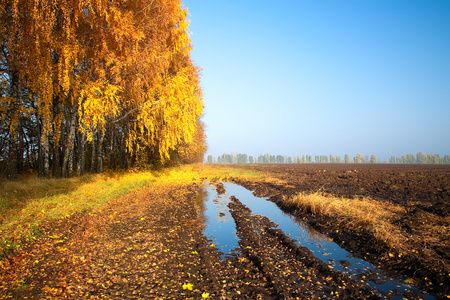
(238,158)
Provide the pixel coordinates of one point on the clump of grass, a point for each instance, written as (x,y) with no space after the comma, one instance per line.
(372,215)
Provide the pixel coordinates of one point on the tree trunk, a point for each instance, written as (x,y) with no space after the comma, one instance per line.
(70,161)
(56,161)
(57,122)
(112,152)
(13,142)
(67,167)
(81,164)
(124,151)
(20,150)
(93,156)
(99,154)
(12,158)
(43,159)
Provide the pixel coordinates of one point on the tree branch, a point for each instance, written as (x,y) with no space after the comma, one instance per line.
(132,111)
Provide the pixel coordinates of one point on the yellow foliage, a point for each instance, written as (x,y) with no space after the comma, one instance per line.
(123,66)
(98,102)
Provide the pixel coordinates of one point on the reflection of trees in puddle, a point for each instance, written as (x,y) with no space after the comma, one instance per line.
(209,194)
(200,198)
(314,234)
(221,203)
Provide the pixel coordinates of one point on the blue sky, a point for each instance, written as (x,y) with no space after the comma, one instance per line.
(324,77)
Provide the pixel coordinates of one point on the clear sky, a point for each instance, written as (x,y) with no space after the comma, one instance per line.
(324,77)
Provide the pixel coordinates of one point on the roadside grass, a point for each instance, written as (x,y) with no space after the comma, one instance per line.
(27,204)
(15,194)
(223,172)
(371,215)
(427,241)
(244,173)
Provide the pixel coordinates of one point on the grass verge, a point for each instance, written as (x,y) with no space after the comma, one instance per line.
(371,215)
(29,203)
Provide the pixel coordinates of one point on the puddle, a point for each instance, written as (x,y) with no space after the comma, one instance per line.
(219,225)
(220,228)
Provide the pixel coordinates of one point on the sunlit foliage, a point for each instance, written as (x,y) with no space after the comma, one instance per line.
(85,83)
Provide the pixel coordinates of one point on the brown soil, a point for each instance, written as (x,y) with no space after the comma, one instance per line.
(424,191)
(149,245)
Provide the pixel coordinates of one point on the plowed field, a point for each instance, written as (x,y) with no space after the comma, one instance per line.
(422,190)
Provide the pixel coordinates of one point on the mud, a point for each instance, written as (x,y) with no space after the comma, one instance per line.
(293,270)
(423,190)
(150,245)
(426,187)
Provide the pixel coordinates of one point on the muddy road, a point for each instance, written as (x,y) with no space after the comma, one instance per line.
(150,244)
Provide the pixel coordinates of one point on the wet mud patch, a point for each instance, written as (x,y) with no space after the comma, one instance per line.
(292,270)
(321,247)
(426,263)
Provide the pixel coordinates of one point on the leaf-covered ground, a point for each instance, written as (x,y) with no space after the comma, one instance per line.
(149,244)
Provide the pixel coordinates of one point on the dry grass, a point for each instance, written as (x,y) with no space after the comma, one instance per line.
(29,202)
(371,215)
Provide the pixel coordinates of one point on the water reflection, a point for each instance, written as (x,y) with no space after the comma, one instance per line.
(220,227)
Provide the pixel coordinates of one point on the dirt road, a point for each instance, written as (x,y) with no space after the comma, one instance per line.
(149,244)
